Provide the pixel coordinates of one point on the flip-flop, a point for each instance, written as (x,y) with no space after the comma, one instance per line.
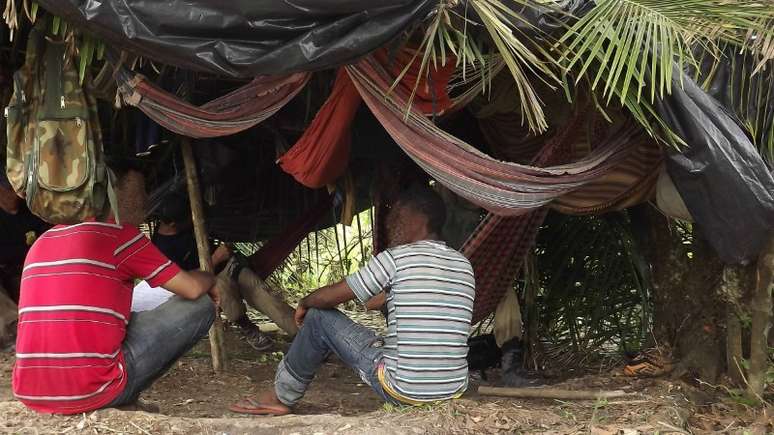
(248,405)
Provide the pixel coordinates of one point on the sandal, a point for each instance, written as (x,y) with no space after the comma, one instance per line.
(248,405)
(649,363)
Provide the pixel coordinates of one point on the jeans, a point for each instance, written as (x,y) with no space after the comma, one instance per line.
(325,332)
(157,338)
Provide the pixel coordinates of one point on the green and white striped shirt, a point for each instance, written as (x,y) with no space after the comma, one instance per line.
(429,294)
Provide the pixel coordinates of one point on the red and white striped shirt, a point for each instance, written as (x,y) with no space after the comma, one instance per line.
(74,307)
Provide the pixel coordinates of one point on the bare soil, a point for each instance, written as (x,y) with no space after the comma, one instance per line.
(195,400)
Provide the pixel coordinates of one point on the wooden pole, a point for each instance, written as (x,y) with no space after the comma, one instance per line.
(761,321)
(203,247)
(731,286)
(551,393)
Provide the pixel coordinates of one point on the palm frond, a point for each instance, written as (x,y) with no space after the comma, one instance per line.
(523,56)
(743,81)
(631,49)
(591,296)
(449,33)
(634,43)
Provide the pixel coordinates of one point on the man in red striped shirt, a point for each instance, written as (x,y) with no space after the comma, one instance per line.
(78,346)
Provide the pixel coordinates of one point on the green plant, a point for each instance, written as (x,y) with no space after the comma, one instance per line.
(628,49)
(592,299)
(324,257)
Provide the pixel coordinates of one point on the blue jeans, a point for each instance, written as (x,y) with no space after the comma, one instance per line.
(325,332)
(157,338)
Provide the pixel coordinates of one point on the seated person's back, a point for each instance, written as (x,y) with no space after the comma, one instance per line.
(78,346)
(69,342)
(430,292)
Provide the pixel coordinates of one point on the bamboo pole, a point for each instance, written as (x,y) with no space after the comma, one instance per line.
(761,321)
(217,347)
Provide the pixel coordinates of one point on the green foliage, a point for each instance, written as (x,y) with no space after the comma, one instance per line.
(324,257)
(449,33)
(623,49)
(273,357)
(592,297)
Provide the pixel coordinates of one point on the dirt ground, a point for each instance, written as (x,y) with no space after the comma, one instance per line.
(194,400)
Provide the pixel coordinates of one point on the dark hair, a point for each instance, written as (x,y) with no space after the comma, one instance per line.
(423,199)
(174,209)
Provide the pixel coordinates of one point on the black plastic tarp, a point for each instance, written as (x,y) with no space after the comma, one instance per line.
(245,38)
(721,176)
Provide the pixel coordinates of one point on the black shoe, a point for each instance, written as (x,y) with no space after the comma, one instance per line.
(258,340)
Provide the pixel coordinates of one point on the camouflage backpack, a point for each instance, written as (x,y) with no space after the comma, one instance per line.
(54,150)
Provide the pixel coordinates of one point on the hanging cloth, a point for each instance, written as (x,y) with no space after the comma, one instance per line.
(321,155)
(501,187)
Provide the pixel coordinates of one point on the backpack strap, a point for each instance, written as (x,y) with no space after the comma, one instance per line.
(111,194)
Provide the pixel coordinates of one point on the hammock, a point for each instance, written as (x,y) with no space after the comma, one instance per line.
(321,155)
(503,188)
(234,112)
(499,245)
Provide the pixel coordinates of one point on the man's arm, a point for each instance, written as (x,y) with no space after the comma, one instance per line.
(324,298)
(192,284)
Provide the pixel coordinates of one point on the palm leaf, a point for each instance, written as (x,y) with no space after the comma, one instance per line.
(517,57)
(448,34)
(620,36)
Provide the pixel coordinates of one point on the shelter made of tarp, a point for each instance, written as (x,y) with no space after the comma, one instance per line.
(721,176)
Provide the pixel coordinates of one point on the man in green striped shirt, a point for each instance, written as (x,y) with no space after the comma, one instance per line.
(428,289)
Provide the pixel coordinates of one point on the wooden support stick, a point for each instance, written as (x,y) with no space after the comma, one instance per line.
(551,393)
(203,247)
(761,321)
(732,292)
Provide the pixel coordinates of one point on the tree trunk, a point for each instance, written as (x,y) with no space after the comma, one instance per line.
(688,312)
(761,321)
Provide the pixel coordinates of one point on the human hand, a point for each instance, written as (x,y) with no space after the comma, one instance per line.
(221,255)
(300,314)
(215,294)
(376,302)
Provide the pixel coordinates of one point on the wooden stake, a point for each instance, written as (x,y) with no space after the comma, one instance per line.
(731,287)
(761,321)
(551,393)
(203,247)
